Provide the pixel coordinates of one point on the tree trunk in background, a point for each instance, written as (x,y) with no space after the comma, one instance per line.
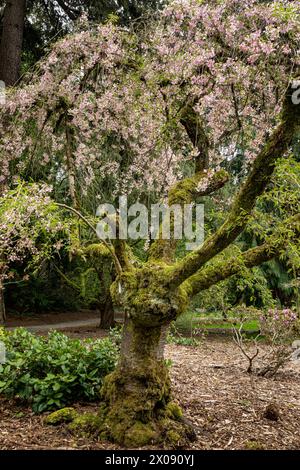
(71,168)
(2,301)
(2,304)
(107,314)
(11,41)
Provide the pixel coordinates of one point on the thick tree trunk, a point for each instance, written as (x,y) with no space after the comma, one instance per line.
(138,407)
(11,41)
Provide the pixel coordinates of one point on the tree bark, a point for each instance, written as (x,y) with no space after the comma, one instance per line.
(107,314)
(2,304)
(2,270)
(138,406)
(71,168)
(11,41)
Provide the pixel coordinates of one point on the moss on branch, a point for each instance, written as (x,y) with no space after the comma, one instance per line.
(185,192)
(211,275)
(96,251)
(255,184)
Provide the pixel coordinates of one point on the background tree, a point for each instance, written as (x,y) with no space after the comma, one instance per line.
(44,21)
(11,41)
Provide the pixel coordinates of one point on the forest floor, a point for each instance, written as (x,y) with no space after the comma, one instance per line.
(225,403)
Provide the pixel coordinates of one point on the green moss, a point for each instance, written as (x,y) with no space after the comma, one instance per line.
(136,410)
(146,298)
(65,415)
(176,433)
(173,410)
(185,191)
(254,445)
(124,254)
(173,437)
(139,410)
(136,393)
(96,251)
(87,424)
(140,434)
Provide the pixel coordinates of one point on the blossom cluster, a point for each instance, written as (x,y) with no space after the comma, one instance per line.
(31,227)
(279,324)
(122,94)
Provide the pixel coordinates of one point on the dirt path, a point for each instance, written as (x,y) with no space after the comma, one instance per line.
(66,321)
(74,324)
(33,319)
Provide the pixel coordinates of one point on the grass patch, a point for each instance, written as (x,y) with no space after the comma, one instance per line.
(249,326)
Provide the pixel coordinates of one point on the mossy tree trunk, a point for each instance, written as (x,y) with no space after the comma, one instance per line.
(137,404)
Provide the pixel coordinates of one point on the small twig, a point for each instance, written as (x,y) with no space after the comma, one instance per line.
(238,339)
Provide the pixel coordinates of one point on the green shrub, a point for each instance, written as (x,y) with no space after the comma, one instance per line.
(182,340)
(184,323)
(115,335)
(54,371)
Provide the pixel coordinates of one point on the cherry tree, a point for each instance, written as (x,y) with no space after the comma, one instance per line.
(32,229)
(208,79)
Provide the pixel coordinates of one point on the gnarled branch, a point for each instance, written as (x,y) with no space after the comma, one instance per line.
(254,186)
(220,271)
(195,130)
(185,192)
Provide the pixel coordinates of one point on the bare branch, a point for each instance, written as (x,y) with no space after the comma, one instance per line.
(239,341)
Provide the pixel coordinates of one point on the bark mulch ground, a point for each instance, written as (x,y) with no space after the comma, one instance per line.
(226,404)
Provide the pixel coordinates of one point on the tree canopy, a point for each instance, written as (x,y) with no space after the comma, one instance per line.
(162,109)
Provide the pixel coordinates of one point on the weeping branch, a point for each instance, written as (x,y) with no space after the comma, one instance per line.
(255,184)
(88,224)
